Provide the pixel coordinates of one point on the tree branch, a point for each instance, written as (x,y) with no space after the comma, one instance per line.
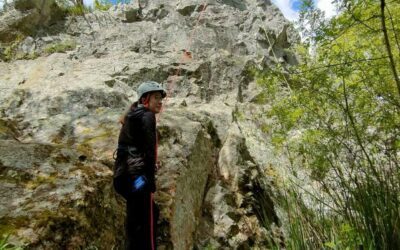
(356,133)
(388,47)
(394,29)
(340,64)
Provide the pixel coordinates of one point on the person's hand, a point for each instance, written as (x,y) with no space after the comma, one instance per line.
(138,183)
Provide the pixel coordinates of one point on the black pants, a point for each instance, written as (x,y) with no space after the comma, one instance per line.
(141,220)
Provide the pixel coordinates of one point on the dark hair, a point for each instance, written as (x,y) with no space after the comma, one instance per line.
(144,96)
(123,116)
(133,106)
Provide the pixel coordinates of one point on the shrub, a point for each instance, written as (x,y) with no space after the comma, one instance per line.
(60,47)
(103,5)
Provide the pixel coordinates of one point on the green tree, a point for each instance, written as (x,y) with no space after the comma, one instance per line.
(345,102)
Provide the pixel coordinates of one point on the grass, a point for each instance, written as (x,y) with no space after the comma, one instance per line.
(10,51)
(5,245)
(313,229)
(30,56)
(238,115)
(75,10)
(80,10)
(260,99)
(367,218)
(60,47)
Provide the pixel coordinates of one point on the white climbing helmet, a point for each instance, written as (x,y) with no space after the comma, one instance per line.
(150,86)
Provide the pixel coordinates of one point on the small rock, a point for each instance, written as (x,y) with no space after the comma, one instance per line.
(47,39)
(22,81)
(110,83)
(28,46)
(132,15)
(28,234)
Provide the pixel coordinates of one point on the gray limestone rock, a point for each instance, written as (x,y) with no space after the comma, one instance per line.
(52,198)
(28,46)
(24,17)
(60,111)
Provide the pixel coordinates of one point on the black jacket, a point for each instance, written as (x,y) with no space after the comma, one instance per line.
(139,131)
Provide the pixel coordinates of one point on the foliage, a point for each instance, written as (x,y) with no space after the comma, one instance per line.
(103,5)
(209,246)
(31,56)
(73,7)
(77,10)
(60,47)
(314,229)
(13,51)
(4,245)
(340,118)
(9,52)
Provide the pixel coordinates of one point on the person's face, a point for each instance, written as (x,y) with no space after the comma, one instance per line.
(155,102)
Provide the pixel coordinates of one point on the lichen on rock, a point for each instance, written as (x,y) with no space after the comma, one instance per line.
(59,122)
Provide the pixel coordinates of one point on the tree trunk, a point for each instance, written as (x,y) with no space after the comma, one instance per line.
(388,47)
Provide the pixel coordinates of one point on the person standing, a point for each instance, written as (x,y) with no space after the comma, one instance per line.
(135,166)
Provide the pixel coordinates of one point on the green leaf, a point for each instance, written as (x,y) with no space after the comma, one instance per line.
(330,245)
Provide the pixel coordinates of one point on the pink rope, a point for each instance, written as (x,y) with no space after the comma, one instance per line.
(151,222)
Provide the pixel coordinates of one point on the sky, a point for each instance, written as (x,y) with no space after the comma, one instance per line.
(289,8)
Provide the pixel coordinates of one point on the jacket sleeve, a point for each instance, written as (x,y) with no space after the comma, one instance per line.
(149,140)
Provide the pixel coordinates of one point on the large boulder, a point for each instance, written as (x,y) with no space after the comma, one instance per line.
(24,17)
(187,156)
(54,198)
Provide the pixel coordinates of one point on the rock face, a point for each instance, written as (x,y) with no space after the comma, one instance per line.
(59,113)
(50,195)
(24,17)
